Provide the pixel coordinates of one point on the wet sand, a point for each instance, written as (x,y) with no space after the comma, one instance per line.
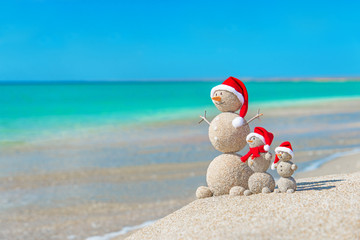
(324,207)
(148,172)
(79,221)
(345,164)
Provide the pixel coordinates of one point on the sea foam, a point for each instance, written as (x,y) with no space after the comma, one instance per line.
(315,164)
(123,231)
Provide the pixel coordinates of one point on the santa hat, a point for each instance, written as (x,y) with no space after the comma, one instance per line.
(265,136)
(284,147)
(238,88)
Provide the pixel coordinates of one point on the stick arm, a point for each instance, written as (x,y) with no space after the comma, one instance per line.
(203,118)
(258,115)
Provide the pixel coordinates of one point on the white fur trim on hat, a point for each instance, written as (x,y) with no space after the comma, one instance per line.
(273,166)
(255,135)
(237,122)
(267,147)
(229,89)
(284,149)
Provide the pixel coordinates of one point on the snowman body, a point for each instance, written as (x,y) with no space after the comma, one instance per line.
(225,172)
(259,164)
(260,181)
(224,136)
(286,184)
(285,168)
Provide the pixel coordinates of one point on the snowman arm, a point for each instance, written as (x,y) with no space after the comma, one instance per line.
(274,166)
(268,156)
(203,118)
(258,115)
(294,167)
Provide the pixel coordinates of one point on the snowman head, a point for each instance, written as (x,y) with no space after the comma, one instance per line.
(231,96)
(283,156)
(284,152)
(254,141)
(260,137)
(226,101)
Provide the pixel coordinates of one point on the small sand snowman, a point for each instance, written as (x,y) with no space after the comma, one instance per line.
(285,168)
(227,133)
(259,160)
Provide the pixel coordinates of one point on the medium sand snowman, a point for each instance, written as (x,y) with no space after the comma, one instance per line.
(285,168)
(227,133)
(259,160)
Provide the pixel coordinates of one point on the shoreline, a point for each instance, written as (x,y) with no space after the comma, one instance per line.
(163,172)
(344,163)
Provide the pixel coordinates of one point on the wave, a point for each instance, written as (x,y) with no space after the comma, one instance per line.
(123,231)
(315,164)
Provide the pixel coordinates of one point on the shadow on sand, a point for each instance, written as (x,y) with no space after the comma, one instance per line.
(319,185)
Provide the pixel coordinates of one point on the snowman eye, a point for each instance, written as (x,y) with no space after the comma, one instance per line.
(220,93)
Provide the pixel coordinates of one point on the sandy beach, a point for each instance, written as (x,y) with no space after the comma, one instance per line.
(325,207)
(79,201)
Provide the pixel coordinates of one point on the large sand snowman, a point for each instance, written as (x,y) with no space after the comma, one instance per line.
(227,133)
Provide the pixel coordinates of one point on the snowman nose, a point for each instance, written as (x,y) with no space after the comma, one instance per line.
(278,154)
(250,141)
(216,98)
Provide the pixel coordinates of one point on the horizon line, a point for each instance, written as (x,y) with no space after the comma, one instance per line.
(245,79)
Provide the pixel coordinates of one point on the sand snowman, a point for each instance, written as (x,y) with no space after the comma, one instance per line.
(227,133)
(259,160)
(285,168)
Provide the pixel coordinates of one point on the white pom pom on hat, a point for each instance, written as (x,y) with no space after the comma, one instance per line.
(238,122)
(267,147)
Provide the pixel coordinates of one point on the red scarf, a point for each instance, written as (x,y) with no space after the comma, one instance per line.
(255,152)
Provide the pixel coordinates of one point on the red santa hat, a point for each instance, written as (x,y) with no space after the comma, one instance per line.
(265,136)
(238,88)
(284,147)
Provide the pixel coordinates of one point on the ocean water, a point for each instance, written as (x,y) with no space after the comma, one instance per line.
(65,145)
(31,111)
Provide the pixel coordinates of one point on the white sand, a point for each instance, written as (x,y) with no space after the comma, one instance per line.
(326,207)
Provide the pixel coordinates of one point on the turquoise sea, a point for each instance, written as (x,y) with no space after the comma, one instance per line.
(34,110)
(76,152)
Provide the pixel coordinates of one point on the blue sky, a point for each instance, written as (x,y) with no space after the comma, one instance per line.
(126,40)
